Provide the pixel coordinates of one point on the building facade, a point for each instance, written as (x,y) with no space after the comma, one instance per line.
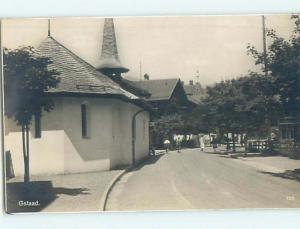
(95,124)
(63,147)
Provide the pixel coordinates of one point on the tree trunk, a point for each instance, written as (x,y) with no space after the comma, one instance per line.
(242,139)
(233,142)
(245,140)
(27,158)
(227,141)
(25,141)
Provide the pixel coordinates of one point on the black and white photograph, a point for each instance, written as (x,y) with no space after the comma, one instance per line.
(151,113)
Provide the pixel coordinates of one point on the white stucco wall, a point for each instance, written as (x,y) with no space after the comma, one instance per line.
(62,149)
(142,135)
(47,153)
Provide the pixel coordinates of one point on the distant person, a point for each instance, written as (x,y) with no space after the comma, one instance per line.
(167,145)
(178,143)
(201,142)
(152,151)
(215,144)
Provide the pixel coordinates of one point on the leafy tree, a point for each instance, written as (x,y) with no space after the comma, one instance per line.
(164,126)
(283,67)
(199,120)
(26,82)
(238,106)
(251,104)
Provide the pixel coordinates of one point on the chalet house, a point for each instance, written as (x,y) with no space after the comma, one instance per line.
(194,92)
(166,95)
(95,124)
(289,134)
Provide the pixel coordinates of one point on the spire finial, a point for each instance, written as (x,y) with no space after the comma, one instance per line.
(49,27)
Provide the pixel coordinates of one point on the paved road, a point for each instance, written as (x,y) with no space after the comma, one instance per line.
(198,180)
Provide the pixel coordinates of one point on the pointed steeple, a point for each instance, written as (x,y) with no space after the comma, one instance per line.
(49,28)
(110,63)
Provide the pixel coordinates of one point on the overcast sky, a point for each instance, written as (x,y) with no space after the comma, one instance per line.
(167,47)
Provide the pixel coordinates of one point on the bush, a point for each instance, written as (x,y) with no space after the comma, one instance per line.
(295,154)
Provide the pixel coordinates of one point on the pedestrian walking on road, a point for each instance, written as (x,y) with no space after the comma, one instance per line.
(201,142)
(178,143)
(167,145)
(215,144)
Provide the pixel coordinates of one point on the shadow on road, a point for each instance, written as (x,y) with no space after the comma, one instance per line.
(38,195)
(288,174)
(243,155)
(150,160)
(217,152)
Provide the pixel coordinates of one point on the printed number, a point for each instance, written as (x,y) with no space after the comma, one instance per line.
(290,198)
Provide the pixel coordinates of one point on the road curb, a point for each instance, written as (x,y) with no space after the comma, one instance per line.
(110,186)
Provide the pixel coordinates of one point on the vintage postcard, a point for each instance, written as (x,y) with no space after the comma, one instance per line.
(151,113)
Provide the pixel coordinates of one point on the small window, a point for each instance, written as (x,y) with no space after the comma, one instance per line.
(38,130)
(85,132)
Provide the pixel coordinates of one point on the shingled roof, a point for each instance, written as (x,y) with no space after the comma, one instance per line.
(161,89)
(76,75)
(194,93)
(109,53)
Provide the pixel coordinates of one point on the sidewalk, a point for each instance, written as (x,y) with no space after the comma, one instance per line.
(274,164)
(57,193)
(279,166)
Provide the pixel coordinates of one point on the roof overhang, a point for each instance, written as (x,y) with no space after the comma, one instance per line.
(138,102)
(110,64)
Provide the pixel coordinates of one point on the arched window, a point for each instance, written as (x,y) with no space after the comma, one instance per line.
(85,120)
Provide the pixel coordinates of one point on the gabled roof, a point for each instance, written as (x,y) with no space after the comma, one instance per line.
(161,89)
(194,93)
(76,75)
(133,88)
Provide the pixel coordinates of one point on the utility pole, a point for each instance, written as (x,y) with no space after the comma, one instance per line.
(264,45)
(268,119)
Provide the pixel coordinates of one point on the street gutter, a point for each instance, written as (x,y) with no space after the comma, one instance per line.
(107,191)
(109,187)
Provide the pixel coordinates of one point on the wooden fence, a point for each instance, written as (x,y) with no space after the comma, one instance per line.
(265,144)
